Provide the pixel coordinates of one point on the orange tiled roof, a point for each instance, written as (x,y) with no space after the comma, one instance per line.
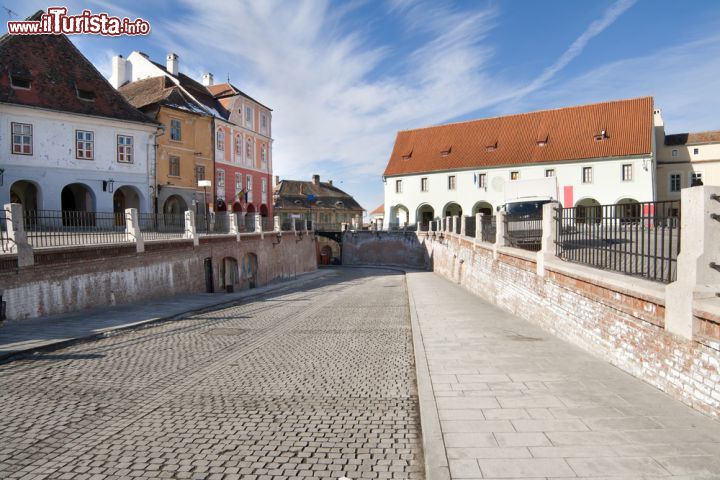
(695,138)
(378,210)
(567,134)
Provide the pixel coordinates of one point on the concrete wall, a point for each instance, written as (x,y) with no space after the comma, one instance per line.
(74,279)
(384,248)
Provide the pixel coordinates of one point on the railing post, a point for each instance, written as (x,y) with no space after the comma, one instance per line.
(499,233)
(697,277)
(463,225)
(15,225)
(478,227)
(258,222)
(549,236)
(190,230)
(233,225)
(132,227)
(455,220)
(276,224)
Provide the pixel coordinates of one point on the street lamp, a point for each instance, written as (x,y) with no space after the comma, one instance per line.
(205,184)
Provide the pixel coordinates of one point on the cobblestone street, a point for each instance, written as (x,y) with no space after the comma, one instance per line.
(318,382)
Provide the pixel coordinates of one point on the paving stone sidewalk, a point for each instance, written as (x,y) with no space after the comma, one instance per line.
(26,335)
(515,402)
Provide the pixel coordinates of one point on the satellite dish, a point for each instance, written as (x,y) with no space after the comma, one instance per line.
(497,184)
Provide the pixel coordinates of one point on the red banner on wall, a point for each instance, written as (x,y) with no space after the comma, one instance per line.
(568,196)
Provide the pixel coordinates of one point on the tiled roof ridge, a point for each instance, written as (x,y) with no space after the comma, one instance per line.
(521,114)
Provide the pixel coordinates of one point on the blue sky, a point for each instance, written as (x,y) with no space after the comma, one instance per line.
(344,77)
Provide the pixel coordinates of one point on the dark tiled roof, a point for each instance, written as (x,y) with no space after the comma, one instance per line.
(158,91)
(223,90)
(293,194)
(57,70)
(695,138)
(544,136)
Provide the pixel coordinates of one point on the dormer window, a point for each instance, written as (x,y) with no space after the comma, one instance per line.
(85,94)
(407,154)
(339,204)
(21,82)
(542,140)
(601,136)
(446,151)
(491,147)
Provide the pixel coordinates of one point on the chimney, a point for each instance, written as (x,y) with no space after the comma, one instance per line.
(172,63)
(330,182)
(119,71)
(277,179)
(316,179)
(207,79)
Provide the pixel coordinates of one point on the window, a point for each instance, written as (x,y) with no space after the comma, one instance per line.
(84,144)
(124,149)
(175,130)
(263,155)
(263,123)
(627,172)
(22,137)
(264,185)
(19,81)
(674,153)
(696,178)
(199,172)
(398,186)
(220,174)
(675,182)
(220,139)
(549,172)
(601,136)
(174,170)
(451,182)
(87,95)
(696,151)
(238,181)
(249,151)
(514,175)
(238,146)
(424,184)
(587,175)
(248,117)
(482,180)
(248,182)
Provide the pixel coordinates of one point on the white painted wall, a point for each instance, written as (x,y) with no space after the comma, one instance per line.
(607,186)
(53,165)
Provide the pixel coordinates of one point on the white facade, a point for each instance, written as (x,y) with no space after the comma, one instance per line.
(54,163)
(606,186)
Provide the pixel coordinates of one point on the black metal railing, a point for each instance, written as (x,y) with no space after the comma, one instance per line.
(424,227)
(268,224)
(286,225)
(524,231)
(299,224)
(640,239)
(489,228)
(328,227)
(249,222)
(470,226)
(160,226)
(60,228)
(213,223)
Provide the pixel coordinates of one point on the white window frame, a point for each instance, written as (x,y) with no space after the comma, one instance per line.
(692,174)
(248,183)
(178,122)
(452,182)
(482,180)
(125,149)
(24,137)
(170,166)
(424,184)
(220,177)
(264,122)
(88,145)
(631,177)
(238,148)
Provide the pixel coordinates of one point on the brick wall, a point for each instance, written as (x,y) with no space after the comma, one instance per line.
(74,279)
(383,248)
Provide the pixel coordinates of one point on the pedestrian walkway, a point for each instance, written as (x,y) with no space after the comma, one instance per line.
(512,401)
(58,330)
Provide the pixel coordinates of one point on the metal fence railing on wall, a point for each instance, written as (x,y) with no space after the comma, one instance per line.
(470,226)
(641,239)
(489,228)
(524,231)
(61,228)
(268,224)
(161,226)
(458,225)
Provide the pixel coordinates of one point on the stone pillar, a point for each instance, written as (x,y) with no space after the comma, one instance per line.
(293,227)
(455,220)
(549,236)
(233,225)
(258,223)
(190,230)
(499,233)
(132,227)
(697,273)
(276,223)
(15,226)
(478,227)
(463,225)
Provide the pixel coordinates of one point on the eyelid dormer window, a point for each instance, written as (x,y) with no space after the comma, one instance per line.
(542,140)
(491,147)
(21,82)
(445,151)
(85,94)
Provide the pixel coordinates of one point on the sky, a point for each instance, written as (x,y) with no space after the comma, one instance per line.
(343,77)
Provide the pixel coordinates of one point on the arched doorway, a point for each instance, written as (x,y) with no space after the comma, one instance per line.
(399,215)
(482,207)
(229,274)
(236,207)
(25,193)
(425,215)
(588,211)
(175,204)
(452,209)
(250,218)
(263,210)
(628,210)
(78,204)
(325,255)
(125,197)
(249,270)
